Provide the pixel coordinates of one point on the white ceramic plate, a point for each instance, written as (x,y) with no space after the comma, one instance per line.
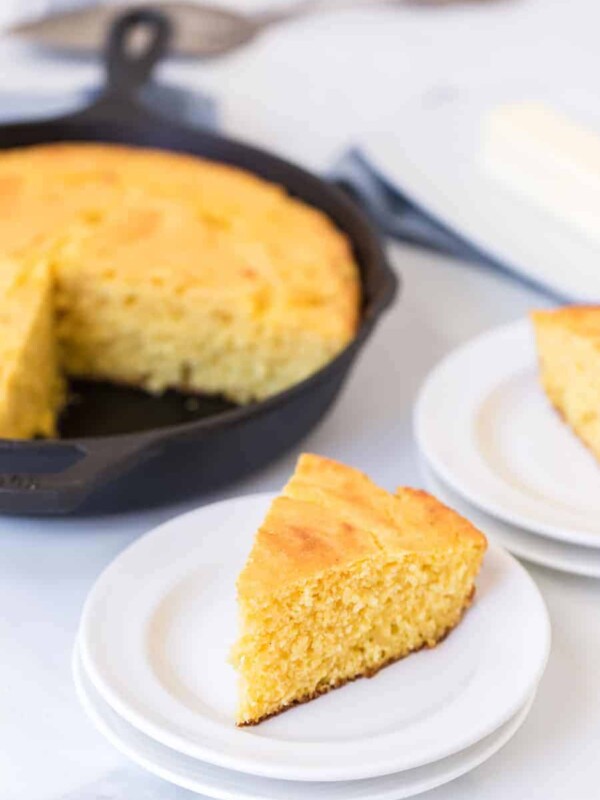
(430,151)
(484,424)
(212,781)
(538,549)
(157,628)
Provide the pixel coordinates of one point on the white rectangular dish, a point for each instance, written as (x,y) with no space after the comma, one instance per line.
(432,154)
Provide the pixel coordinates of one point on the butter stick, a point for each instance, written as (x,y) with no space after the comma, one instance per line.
(547,158)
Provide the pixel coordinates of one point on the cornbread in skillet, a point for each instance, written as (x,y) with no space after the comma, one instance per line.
(175,272)
(31,389)
(343,579)
(568,345)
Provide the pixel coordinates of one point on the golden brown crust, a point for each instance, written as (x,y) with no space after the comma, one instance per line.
(331,514)
(222,229)
(369,674)
(580,320)
(296,540)
(431,521)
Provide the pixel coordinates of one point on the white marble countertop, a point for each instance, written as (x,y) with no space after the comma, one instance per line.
(308,90)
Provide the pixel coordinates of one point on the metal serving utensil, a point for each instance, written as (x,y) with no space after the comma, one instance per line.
(202,30)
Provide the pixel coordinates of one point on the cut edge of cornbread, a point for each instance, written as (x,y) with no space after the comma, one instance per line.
(32,390)
(568,348)
(367,673)
(344,579)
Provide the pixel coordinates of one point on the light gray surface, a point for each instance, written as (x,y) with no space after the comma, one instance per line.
(127,782)
(308,93)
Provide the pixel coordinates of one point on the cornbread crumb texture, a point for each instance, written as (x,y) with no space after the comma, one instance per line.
(568,345)
(344,578)
(173,271)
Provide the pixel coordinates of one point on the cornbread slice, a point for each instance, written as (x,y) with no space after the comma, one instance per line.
(176,272)
(31,389)
(568,345)
(343,579)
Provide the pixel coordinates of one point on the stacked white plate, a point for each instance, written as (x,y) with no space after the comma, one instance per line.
(495,449)
(151,670)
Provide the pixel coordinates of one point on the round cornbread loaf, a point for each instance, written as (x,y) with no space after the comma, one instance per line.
(170,271)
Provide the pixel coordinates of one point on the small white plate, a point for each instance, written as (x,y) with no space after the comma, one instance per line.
(212,781)
(430,150)
(157,628)
(538,549)
(484,423)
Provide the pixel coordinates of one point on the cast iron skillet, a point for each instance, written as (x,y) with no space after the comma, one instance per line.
(119,446)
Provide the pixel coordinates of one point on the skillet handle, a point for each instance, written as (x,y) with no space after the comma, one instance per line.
(137,41)
(71,471)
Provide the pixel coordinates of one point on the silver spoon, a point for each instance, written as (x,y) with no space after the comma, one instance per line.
(201,30)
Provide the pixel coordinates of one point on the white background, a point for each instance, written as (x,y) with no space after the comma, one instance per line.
(308,90)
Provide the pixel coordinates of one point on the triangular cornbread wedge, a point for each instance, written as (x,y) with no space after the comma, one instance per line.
(31,389)
(568,344)
(343,579)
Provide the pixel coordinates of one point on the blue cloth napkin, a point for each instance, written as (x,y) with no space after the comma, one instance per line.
(396,214)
